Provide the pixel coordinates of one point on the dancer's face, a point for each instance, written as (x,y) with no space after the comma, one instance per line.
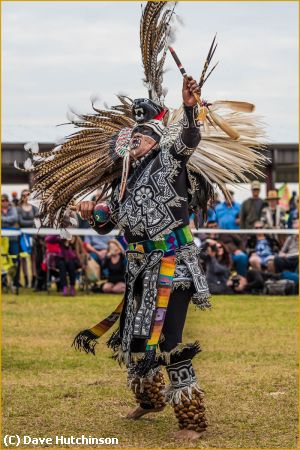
(140,145)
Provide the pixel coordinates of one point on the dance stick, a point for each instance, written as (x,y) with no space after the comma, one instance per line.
(183,71)
(215,117)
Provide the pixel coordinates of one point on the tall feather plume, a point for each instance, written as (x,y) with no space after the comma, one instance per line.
(155,32)
(85,161)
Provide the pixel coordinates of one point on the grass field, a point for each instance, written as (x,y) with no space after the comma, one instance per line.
(248,369)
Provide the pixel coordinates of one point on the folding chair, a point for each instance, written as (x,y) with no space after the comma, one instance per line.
(10,265)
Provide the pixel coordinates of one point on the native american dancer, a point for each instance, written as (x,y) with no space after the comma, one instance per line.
(153,168)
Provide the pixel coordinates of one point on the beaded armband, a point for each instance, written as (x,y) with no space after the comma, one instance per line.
(190,116)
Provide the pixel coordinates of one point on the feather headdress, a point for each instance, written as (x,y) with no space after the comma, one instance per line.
(155,35)
(91,158)
(84,162)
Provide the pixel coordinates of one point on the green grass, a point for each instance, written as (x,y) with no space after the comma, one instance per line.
(248,369)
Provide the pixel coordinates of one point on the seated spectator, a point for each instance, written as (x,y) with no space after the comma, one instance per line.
(261,248)
(114,262)
(26,215)
(227,214)
(287,259)
(66,260)
(9,215)
(9,220)
(217,267)
(239,257)
(253,283)
(96,246)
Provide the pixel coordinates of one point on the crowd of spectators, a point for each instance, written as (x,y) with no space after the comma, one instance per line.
(251,263)
(95,262)
(233,263)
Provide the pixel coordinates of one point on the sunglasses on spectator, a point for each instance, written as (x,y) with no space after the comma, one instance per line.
(4,200)
(258,228)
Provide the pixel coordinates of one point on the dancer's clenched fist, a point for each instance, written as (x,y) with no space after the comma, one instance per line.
(86,209)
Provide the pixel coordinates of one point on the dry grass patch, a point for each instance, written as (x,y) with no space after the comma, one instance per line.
(248,369)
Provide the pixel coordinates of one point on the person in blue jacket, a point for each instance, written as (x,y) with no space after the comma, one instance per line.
(227,214)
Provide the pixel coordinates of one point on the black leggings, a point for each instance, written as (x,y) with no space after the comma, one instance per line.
(175,318)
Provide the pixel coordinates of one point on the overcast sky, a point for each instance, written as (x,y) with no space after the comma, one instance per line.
(57,54)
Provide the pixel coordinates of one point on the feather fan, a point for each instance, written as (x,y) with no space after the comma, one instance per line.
(222,161)
(84,162)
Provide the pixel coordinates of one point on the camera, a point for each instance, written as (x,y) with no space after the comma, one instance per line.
(213,247)
(235,282)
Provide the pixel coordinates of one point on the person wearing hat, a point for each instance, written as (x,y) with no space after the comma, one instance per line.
(227,214)
(252,207)
(288,257)
(273,215)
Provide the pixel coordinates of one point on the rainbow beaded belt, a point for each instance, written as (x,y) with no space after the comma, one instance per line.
(177,238)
